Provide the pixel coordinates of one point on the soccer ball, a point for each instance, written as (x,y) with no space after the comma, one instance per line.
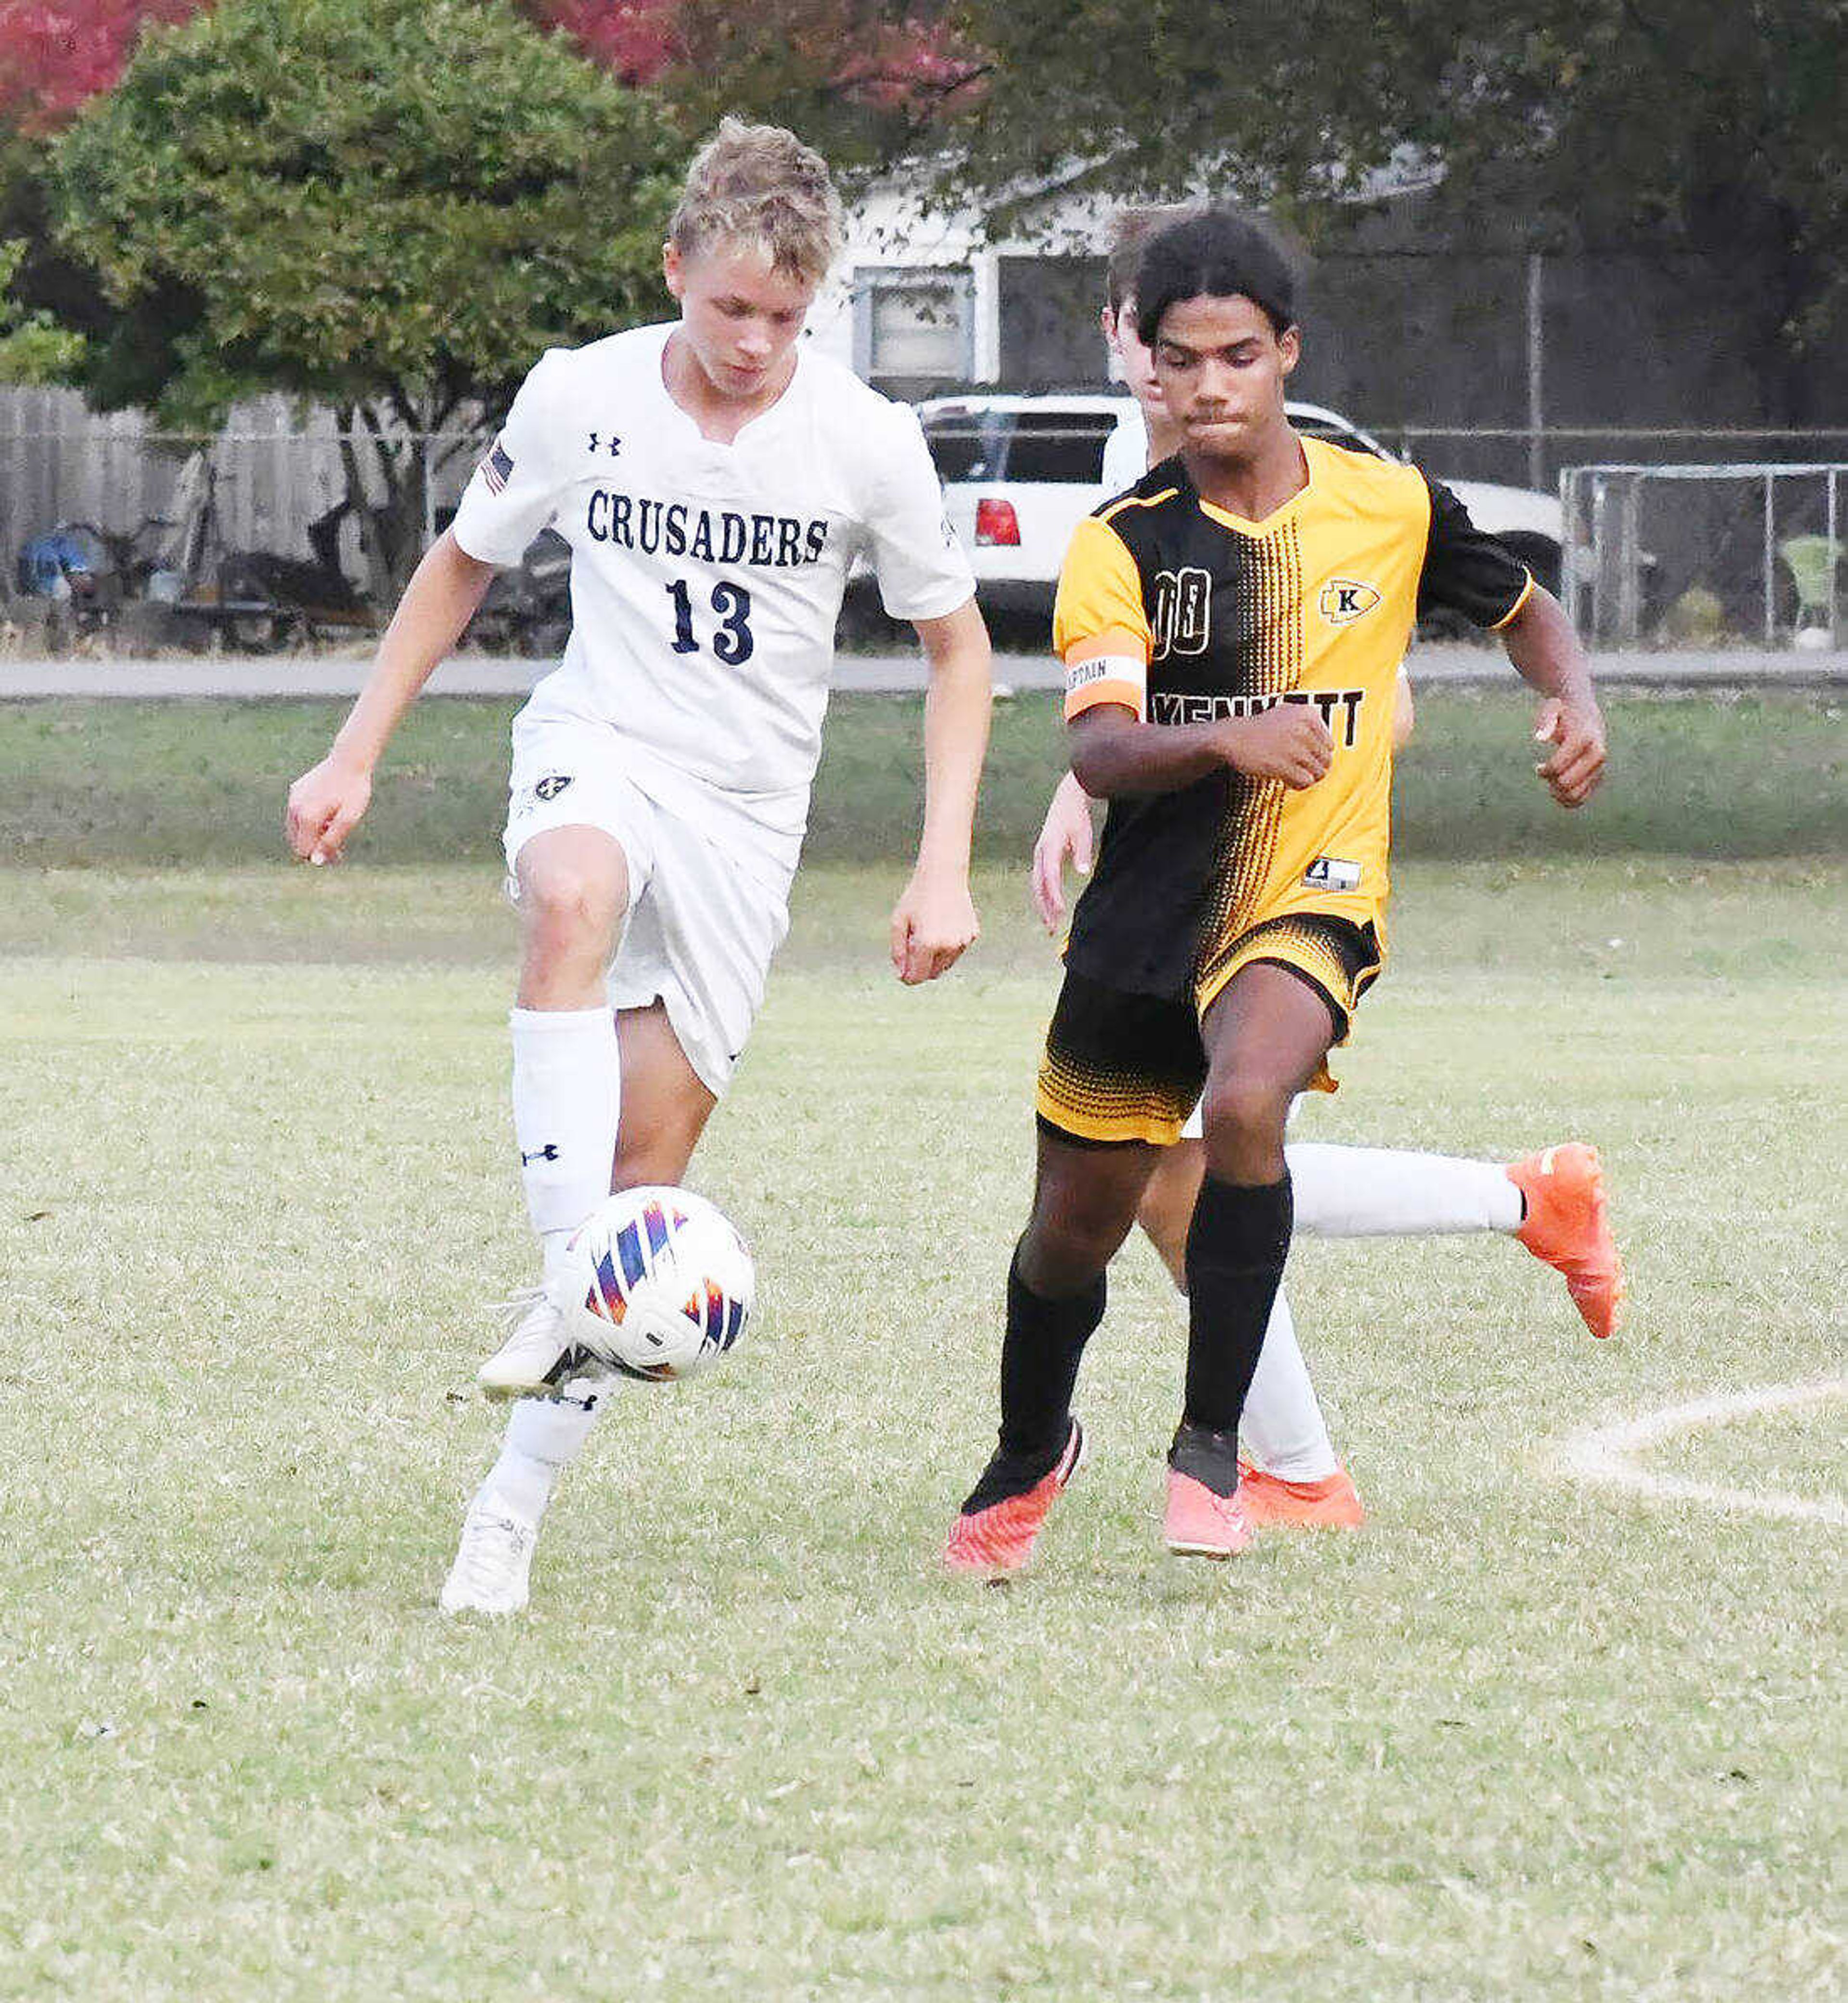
(658,1285)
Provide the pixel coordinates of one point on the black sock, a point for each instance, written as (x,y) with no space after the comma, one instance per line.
(1040,1369)
(1236,1247)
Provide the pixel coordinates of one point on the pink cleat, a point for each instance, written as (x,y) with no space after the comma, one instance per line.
(995,1539)
(1206,1517)
(1201,1523)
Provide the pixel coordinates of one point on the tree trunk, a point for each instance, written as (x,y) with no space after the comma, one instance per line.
(378,458)
(378,568)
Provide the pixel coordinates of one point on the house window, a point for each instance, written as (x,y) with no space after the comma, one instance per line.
(914,325)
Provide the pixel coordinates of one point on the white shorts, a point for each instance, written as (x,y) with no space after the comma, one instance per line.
(708,906)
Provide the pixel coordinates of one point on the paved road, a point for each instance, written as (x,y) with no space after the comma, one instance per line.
(301,674)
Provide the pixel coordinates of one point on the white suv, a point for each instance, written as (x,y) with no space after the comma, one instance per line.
(1019,472)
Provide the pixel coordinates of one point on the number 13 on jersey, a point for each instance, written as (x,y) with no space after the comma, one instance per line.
(731,640)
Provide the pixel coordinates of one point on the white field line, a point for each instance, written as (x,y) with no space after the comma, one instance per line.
(1605,1454)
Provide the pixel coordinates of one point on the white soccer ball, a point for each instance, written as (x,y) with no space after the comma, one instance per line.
(658,1283)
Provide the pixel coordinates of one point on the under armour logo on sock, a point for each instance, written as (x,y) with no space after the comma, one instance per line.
(548,1153)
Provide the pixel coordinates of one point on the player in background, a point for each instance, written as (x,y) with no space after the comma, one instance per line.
(1232,629)
(715,482)
(1553,1201)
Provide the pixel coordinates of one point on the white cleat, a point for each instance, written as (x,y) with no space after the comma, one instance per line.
(539,1358)
(493,1562)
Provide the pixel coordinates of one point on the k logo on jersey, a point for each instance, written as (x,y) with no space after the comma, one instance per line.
(1344,599)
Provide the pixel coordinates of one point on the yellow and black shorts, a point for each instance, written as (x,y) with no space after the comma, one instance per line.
(1339,959)
(1122,1066)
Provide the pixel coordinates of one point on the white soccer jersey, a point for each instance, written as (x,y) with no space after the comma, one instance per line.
(1125,451)
(706,578)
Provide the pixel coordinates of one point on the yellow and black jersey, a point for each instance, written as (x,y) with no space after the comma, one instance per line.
(1314,604)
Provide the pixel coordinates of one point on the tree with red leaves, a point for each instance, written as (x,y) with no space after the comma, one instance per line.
(862,75)
(637,39)
(860,79)
(55,55)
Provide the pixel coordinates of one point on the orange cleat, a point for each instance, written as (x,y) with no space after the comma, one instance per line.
(1332,1503)
(1201,1523)
(995,1539)
(1567,1226)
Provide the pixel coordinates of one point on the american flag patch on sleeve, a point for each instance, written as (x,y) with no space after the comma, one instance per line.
(497,468)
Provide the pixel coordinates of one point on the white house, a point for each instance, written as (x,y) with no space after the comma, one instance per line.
(923,296)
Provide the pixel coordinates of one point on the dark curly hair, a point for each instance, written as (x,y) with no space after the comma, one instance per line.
(1214,253)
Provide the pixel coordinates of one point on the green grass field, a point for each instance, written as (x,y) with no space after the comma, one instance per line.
(1518,1738)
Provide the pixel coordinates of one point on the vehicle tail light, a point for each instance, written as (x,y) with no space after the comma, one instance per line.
(997,523)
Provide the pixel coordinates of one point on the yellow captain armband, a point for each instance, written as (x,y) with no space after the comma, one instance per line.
(1519,606)
(1099,678)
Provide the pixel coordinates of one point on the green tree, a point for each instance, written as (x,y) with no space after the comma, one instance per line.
(391,207)
(33,347)
(1661,127)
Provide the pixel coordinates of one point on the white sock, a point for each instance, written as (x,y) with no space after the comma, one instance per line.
(1384,1193)
(543,1437)
(567,1096)
(1283,1424)
(554,1246)
(567,1100)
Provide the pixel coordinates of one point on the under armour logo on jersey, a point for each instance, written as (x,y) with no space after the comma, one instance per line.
(1343,600)
(613,447)
(548,1153)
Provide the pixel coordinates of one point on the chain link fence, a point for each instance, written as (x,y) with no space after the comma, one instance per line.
(1705,555)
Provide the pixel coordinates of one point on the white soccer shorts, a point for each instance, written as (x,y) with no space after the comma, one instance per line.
(707,909)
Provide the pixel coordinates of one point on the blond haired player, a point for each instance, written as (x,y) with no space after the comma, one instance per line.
(1551,1201)
(715,482)
(1232,629)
